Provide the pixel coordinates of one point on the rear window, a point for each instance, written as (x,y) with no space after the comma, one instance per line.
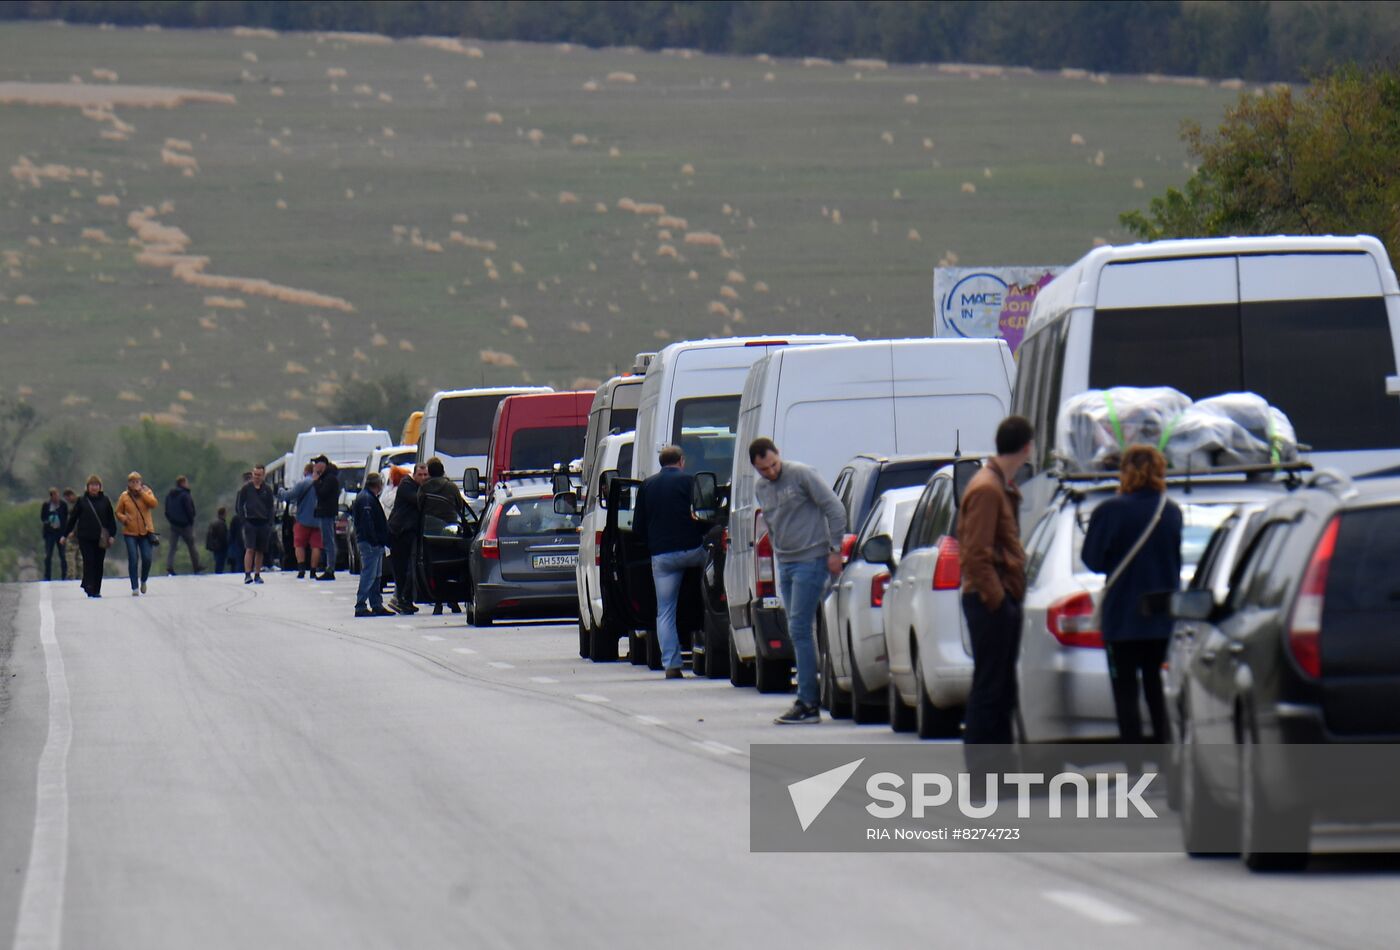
(622,420)
(1198,524)
(535,449)
(530,517)
(904,477)
(464,424)
(624,459)
(352,477)
(1364,576)
(704,429)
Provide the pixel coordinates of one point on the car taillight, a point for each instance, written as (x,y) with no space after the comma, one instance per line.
(1306,622)
(947,570)
(878,585)
(597,548)
(724,539)
(765,577)
(490,541)
(1070,620)
(848,544)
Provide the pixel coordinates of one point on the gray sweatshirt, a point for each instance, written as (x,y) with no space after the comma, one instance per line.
(805,518)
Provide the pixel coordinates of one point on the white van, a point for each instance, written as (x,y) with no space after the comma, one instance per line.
(690,398)
(614,410)
(1312,324)
(457,426)
(597,641)
(824,405)
(338,443)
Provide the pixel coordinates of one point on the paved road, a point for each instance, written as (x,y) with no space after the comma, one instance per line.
(253,767)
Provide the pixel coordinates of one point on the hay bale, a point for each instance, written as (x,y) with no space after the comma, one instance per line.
(104,75)
(127,395)
(281,204)
(535,136)
(911,99)
(735,277)
(622,77)
(728,293)
(600,208)
(718,308)
(760,287)
(568,198)
(578,138)
(451,44)
(406,346)
(379,339)
(667,250)
(1099,242)
(835,215)
(432,247)
(581,326)
(664,234)
(1139,184)
(704,239)
(250,56)
(649,208)
(968,188)
(913,235)
(497,358)
(1098,159)
(96,235)
(385,97)
(517,322)
(671,221)
(811,61)
(516,267)
(1235,84)
(688,170)
(1076,139)
(869,65)
(626,204)
(460,218)
(178,160)
(693,275)
(494,118)
(614,152)
(276,92)
(254,32)
(591,86)
(336,72)
(24,300)
(770,77)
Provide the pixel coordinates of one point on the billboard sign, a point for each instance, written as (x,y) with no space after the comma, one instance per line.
(973,302)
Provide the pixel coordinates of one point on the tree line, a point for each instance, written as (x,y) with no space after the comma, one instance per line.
(1250,39)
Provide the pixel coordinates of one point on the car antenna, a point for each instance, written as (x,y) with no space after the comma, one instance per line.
(957,443)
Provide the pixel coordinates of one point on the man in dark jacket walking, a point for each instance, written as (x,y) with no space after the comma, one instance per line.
(54,517)
(179,511)
(371,536)
(327,509)
(404,529)
(675,541)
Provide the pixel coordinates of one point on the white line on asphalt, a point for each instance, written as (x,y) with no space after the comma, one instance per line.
(650,720)
(40,922)
(501,666)
(467,650)
(403,626)
(543,679)
(718,748)
(1095,908)
(429,636)
(592,698)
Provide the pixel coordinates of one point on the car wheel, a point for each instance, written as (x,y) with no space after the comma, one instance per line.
(636,650)
(836,700)
(602,644)
(740,673)
(1207,827)
(352,558)
(772,676)
(901,716)
(866,707)
(716,648)
(699,658)
(1271,839)
(652,648)
(930,722)
(585,640)
(478,617)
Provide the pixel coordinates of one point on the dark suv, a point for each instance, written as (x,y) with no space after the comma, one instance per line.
(1295,669)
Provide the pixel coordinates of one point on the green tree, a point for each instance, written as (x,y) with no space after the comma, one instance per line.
(383,403)
(161,454)
(1319,162)
(18,421)
(63,459)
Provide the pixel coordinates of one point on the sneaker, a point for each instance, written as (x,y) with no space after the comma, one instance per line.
(143,587)
(135,592)
(799,714)
(383,612)
(407,611)
(328,576)
(300,574)
(363,612)
(247,578)
(169,573)
(257,579)
(675,674)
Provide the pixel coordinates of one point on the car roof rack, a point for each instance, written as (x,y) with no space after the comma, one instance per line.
(1293,473)
(1330,479)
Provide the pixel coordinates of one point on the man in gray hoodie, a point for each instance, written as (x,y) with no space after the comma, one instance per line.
(805,525)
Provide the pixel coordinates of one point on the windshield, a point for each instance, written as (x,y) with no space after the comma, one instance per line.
(1198,523)
(352,477)
(464,424)
(903,514)
(528,517)
(537,449)
(704,429)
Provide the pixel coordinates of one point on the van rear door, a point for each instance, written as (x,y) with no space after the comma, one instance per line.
(948,394)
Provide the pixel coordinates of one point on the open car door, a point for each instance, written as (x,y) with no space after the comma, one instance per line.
(448,527)
(629,597)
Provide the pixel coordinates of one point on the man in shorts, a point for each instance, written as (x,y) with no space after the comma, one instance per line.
(255,502)
(306,530)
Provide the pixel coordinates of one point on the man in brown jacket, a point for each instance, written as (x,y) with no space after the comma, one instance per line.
(994,584)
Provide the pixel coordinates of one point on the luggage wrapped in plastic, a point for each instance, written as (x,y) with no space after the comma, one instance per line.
(1261,433)
(1095,426)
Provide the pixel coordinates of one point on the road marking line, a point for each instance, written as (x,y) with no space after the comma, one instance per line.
(592,698)
(1095,908)
(501,666)
(718,748)
(543,679)
(650,720)
(40,921)
(466,650)
(403,626)
(428,636)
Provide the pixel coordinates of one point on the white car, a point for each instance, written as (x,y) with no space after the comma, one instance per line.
(930,653)
(1064,688)
(851,618)
(595,640)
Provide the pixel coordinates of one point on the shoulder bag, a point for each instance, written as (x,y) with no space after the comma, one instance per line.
(104,537)
(1102,594)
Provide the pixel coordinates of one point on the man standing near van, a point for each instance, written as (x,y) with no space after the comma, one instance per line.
(675,541)
(255,502)
(805,524)
(371,536)
(994,584)
(327,510)
(306,532)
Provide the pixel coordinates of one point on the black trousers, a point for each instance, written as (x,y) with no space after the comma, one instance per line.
(50,545)
(1127,661)
(180,533)
(401,564)
(94,554)
(996,647)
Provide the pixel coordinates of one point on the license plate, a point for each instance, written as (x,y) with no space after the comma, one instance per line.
(771,603)
(554,560)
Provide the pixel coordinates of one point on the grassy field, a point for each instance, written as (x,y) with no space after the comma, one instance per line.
(345,167)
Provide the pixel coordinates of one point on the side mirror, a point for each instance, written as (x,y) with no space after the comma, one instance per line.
(704,496)
(1198,604)
(605,481)
(878,550)
(561,484)
(963,470)
(566,503)
(471,483)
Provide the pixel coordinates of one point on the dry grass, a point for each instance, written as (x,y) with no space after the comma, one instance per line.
(24,300)
(1076,139)
(704,239)
(622,77)
(517,322)
(96,235)
(869,65)
(968,188)
(478,244)
(495,118)
(760,287)
(913,235)
(568,198)
(580,326)
(728,293)
(450,44)
(667,250)
(251,32)
(83,96)
(497,358)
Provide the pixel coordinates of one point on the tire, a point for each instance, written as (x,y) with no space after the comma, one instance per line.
(478,617)
(836,700)
(602,645)
(1205,823)
(585,640)
(352,561)
(653,650)
(716,648)
(772,676)
(1270,839)
(740,673)
(930,722)
(699,659)
(866,707)
(901,716)
(636,650)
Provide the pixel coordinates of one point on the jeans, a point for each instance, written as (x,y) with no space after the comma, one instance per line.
(371,559)
(328,544)
(178,533)
(50,545)
(221,559)
(667,573)
(138,559)
(800,587)
(1126,659)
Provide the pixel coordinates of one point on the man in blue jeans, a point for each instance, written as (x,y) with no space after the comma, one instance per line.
(805,524)
(674,540)
(372,537)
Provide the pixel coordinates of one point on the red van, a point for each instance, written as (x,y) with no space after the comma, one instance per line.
(533,432)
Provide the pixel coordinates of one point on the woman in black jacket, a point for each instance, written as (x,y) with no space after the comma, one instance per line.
(1136,643)
(91,520)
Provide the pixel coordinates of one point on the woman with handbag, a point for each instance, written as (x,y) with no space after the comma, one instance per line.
(1135,538)
(91,521)
(138,530)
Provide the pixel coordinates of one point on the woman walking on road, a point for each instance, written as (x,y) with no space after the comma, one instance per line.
(1135,538)
(91,521)
(138,530)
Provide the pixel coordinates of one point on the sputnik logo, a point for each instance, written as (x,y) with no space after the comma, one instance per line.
(811,795)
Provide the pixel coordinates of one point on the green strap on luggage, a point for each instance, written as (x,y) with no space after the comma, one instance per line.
(1113,418)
